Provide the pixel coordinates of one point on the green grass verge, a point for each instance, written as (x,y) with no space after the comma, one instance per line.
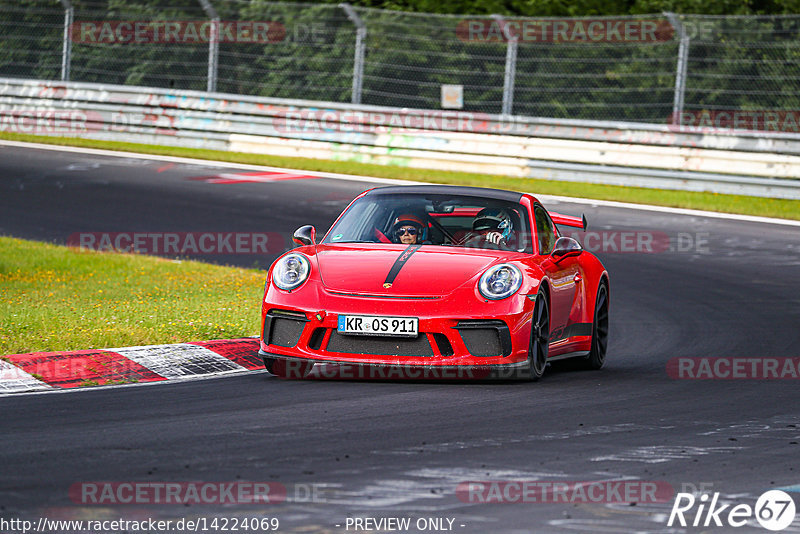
(59,298)
(766,207)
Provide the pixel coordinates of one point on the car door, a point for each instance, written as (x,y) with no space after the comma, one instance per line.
(564,276)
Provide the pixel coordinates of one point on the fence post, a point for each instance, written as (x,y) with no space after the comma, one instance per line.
(213,45)
(66,48)
(682,67)
(361,44)
(511,65)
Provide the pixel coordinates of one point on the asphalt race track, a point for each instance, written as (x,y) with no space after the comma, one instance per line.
(389,449)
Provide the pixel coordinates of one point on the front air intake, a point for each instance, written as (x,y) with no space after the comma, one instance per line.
(283,328)
(383,346)
(485,338)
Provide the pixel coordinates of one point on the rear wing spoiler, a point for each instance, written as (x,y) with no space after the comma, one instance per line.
(569,220)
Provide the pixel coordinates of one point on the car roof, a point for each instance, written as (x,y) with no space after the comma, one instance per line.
(482,192)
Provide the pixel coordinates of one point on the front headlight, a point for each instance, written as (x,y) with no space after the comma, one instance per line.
(291,271)
(500,281)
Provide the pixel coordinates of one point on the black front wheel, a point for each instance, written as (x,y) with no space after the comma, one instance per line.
(540,338)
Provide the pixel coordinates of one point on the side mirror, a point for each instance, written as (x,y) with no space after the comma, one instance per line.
(565,247)
(305,235)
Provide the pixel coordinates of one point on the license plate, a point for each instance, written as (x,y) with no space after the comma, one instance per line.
(370,325)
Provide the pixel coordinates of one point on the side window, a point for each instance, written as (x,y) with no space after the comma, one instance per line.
(545,232)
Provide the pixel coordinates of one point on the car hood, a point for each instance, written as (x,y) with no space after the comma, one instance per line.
(428,270)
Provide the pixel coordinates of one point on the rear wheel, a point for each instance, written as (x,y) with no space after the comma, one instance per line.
(597,354)
(540,334)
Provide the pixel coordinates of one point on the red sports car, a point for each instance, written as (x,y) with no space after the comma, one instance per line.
(436,281)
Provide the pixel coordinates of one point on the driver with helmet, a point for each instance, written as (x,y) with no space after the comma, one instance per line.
(492,228)
(407,229)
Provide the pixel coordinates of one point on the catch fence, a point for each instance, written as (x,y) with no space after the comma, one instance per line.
(658,68)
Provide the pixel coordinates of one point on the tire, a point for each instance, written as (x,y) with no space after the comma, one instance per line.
(540,334)
(269,365)
(287,369)
(597,354)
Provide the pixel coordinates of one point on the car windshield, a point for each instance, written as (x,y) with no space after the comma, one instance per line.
(435,219)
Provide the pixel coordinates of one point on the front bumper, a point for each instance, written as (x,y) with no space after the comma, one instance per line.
(477,338)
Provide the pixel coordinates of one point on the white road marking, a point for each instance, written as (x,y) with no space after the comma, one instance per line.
(661,454)
(180,360)
(15,380)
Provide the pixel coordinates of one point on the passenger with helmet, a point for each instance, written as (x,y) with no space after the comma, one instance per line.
(408,229)
(492,228)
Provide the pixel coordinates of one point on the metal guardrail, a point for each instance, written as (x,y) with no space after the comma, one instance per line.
(645,68)
(631,154)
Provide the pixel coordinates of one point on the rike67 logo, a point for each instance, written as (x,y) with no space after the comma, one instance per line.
(774,510)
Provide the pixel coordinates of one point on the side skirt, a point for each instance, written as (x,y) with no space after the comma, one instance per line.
(576,354)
